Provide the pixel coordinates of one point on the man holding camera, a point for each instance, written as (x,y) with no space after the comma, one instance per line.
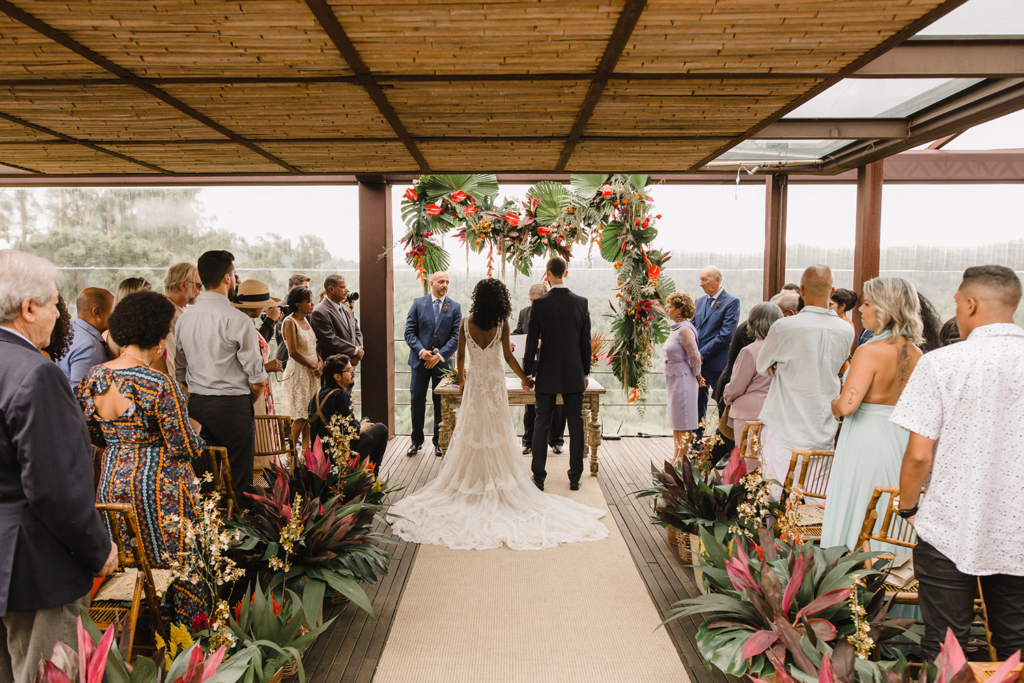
(336,328)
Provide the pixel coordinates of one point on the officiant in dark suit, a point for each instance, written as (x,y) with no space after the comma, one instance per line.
(556,434)
(717,314)
(432,333)
(561,320)
(334,324)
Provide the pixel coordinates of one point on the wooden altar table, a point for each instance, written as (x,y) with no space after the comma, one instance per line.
(451,400)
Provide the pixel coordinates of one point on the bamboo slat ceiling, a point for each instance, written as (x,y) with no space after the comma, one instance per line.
(108,87)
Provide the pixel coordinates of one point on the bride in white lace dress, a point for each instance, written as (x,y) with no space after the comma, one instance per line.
(484,495)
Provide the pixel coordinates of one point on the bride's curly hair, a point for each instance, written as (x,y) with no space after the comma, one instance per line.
(491,304)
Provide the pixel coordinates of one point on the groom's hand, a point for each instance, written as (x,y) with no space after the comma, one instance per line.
(527,384)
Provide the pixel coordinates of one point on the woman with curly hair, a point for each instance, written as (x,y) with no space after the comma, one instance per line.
(62,335)
(484,496)
(139,416)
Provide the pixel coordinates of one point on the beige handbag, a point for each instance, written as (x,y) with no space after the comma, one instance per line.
(723,425)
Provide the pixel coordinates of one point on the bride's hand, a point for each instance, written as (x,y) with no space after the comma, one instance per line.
(528,384)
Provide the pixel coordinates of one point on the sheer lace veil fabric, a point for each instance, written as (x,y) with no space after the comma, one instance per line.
(483,496)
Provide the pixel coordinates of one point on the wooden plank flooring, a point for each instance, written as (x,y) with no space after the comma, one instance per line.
(349,650)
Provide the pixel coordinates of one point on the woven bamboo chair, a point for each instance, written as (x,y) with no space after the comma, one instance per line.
(273,439)
(812,479)
(750,443)
(217,460)
(106,612)
(900,532)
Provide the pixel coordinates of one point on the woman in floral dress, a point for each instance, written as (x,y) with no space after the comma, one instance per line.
(139,415)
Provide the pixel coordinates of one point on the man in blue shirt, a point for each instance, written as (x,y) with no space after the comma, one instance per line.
(88,348)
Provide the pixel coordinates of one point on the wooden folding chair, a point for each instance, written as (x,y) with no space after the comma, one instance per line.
(900,532)
(274,440)
(106,612)
(812,480)
(750,440)
(217,459)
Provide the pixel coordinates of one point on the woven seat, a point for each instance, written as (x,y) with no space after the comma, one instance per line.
(812,481)
(106,612)
(273,439)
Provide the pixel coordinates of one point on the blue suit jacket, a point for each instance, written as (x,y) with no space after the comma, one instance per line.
(716,325)
(422,333)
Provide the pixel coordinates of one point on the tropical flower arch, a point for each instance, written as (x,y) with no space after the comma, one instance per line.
(613,213)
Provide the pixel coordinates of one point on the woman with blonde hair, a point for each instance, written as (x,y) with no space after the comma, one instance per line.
(682,373)
(870,448)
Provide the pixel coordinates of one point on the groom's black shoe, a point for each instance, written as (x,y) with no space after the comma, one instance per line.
(413,449)
(540,486)
(574,486)
(527,450)
(437,451)
(557,449)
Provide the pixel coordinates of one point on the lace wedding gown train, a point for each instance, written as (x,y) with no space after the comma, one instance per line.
(484,496)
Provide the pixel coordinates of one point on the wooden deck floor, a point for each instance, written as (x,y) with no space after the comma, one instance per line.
(349,650)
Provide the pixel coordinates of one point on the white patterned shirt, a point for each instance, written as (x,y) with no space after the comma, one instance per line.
(969,397)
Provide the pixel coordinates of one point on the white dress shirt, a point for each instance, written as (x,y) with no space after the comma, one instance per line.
(969,397)
(808,350)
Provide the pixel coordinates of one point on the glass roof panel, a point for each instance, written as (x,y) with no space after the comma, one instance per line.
(761,151)
(880,97)
(980,18)
(1006,132)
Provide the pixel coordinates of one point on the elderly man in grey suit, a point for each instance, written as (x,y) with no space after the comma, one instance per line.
(52,541)
(335,326)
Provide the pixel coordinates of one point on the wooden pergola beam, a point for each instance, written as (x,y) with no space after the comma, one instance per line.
(835,129)
(624,27)
(950,58)
(128,77)
(849,70)
(377,293)
(329,21)
(867,240)
(775,198)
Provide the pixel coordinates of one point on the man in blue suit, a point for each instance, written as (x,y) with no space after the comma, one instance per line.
(716,316)
(432,333)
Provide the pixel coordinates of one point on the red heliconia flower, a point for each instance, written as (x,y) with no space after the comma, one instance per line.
(606,191)
(647,221)
(654,272)
(512,219)
(638,222)
(433,209)
(542,231)
(658,216)
(472,199)
(458,196)
(411,195)
(470,210)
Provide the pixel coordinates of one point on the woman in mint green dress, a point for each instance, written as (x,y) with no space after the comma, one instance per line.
(870,448)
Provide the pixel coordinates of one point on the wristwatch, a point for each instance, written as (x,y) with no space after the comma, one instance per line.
(907,514)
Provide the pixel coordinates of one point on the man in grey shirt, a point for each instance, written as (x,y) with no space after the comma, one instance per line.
(219,361)
(804,354)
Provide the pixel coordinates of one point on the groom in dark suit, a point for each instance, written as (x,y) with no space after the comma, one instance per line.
(561,320)
(432,333)
(716,316)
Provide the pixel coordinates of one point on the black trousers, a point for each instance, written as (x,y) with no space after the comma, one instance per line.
(947,601)
(555,434)
(710,380)
(229,421)
(421,379)
(574,418)
(372,443)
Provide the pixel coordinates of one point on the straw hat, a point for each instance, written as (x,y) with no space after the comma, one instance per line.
(254,294)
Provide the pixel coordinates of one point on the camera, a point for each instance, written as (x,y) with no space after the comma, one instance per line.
(352,297)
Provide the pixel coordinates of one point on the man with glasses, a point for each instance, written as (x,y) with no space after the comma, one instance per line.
(182,287)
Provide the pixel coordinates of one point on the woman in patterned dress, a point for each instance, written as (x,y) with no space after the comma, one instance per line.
(301,377)
(139,416)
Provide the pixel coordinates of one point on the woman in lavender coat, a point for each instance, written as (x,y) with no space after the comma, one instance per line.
(682,373)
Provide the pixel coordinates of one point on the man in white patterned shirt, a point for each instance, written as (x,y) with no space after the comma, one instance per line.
(964,408)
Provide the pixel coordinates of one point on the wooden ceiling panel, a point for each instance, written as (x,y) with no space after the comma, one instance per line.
(599,156)
(28,54)
(14,132)
(754,36)
(100,112)
(497,156)
(691,107)
(66,159)
(488,109)
(288,110)
(166,38)
(345,157)
(517,36)
(199,158)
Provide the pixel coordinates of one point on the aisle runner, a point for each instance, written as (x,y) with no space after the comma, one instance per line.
(577,612)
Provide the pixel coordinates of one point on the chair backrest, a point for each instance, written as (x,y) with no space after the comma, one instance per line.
(134,556)
(893,529)
(812,477)
(273,438)
(750,440)
(217,459)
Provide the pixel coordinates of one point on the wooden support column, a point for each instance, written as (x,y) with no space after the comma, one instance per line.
(867,244)
(377,303)
(776,192)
